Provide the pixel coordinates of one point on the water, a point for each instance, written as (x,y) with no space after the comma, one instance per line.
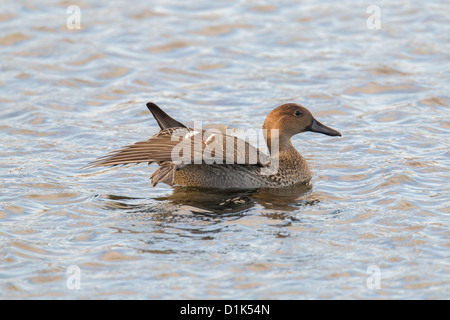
(378,209)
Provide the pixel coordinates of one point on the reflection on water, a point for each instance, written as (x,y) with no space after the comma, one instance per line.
(234,201)
(379,195)
(217,202)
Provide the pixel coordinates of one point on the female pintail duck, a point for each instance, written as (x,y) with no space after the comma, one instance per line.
(242,165)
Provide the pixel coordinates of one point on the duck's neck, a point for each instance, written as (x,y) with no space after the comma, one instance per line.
(282,147)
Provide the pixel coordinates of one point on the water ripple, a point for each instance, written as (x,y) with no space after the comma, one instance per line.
(379,195)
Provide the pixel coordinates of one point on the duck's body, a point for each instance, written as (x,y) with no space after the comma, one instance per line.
(242,176)
(237,169)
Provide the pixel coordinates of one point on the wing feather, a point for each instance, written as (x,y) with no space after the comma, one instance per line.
(160,147)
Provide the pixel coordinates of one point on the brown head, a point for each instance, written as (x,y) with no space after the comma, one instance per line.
(290,119)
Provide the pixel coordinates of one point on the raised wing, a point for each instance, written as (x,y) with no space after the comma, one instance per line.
(183,146)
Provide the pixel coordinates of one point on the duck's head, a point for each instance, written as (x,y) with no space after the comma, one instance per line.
(291,118)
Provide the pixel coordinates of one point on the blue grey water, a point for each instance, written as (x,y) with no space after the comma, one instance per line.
(374,224)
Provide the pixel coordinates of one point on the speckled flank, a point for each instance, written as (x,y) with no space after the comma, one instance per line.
(293,169)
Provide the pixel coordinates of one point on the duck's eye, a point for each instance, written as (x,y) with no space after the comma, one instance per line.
(298,113)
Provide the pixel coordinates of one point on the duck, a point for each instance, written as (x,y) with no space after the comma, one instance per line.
(210,158)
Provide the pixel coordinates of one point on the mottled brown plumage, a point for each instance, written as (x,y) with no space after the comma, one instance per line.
(192,157)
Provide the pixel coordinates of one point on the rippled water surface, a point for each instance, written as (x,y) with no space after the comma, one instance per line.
(377,211)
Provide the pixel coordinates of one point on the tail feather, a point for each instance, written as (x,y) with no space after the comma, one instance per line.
(165,174)
(164,120)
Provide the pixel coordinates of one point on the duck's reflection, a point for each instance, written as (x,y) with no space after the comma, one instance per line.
(220,201)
